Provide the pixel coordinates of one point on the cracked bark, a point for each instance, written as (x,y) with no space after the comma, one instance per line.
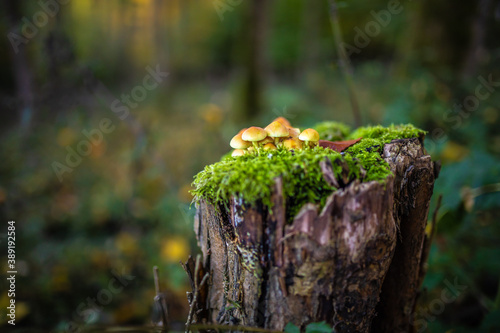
(355,263)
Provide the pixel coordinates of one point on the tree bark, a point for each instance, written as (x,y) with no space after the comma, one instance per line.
(355,260)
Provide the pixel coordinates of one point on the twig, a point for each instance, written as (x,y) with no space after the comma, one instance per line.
(157,280)
(488,188)
(344,62)
(160,298)
(196,292)
(232,328)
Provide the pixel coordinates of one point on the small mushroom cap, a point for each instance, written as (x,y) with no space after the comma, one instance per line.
(254,134)
(299,143)
(270,146)
(277,130)
(238,152)
(309,135)
(294,132)
(292,144)
(284,121)
(266,140)
(251,149)
(238,143)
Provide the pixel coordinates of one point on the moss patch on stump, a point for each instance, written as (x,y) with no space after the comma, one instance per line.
(251,176)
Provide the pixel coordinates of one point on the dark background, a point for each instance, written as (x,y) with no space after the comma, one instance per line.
(125,206)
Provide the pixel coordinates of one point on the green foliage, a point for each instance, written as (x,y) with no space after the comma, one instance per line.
(320,327)
(292,328)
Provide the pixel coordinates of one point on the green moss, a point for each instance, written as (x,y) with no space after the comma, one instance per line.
(387,134)
(332,130)
(369,149)
(251,176)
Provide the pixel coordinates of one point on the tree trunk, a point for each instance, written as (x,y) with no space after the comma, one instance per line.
(21,68)
(257,28)
(356,259)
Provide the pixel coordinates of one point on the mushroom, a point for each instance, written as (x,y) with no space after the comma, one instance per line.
(237,142)
(283,120)
(294,131)
(277,130)
(267,140)
(254,134)
(292,144)
(269,146)
(309,135)
(238,152)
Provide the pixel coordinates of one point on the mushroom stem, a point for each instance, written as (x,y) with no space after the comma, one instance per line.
(256,146)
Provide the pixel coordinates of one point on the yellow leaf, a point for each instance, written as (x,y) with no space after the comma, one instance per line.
(175,249)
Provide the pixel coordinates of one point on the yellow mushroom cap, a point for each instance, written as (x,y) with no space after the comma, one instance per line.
(266,140)
(238,152)
(270,146)
(298,142)
(238,143)
(276,130)
(291,144)
(284,121)
(294,131)
(309,135)
(253,134)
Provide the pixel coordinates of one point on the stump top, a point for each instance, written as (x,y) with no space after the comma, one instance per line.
(251,177)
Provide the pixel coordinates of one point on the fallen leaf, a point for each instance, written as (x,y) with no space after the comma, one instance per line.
(338,145)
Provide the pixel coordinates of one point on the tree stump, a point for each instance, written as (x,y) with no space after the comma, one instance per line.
(356,263)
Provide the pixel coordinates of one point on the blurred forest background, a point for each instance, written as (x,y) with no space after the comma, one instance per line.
(125,207)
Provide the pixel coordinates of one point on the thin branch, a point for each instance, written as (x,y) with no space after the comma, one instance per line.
(160,298)
(196,292)
(344,63)
(157,279)
(488,188)
(194,302)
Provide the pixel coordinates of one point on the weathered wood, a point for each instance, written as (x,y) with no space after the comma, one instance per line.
(354,264)
(413,190)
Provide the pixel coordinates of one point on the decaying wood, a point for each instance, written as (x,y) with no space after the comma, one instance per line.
(355,263)
(413,190)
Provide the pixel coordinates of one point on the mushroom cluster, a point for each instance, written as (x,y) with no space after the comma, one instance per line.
(277,135)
